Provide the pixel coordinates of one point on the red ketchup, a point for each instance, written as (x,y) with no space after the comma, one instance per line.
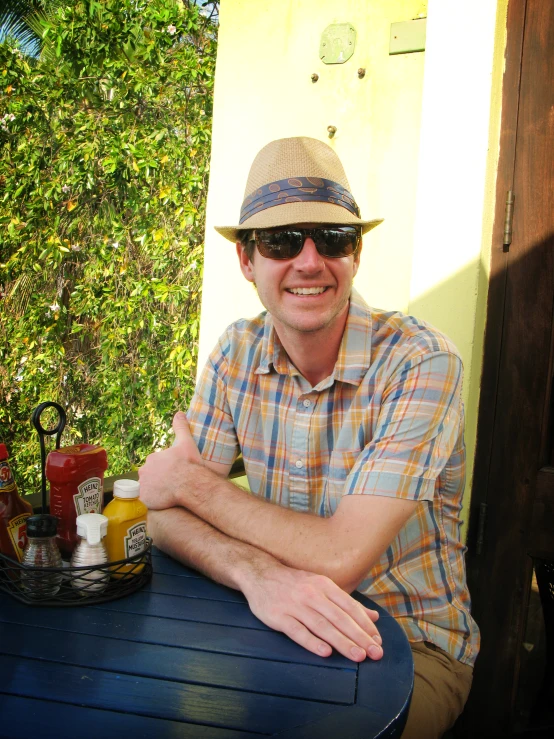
(76,476)
(14,512)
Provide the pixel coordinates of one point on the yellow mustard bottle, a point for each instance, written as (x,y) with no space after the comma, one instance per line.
(126,516)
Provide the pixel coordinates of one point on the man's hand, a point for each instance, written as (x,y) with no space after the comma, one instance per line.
(313,612)
(165,474)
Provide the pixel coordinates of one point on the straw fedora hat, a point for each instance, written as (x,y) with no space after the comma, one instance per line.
(296,180)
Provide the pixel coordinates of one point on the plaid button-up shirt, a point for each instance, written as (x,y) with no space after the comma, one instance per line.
(388,421)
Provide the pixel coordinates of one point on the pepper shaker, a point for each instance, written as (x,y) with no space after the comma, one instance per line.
(41,555)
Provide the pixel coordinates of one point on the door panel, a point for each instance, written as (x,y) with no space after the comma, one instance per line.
(515,396)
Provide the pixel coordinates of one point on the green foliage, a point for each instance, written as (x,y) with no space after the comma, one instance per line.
(104,151)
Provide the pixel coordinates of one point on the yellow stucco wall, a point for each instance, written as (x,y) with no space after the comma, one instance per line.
(460,136)
(267,54)
(418,137)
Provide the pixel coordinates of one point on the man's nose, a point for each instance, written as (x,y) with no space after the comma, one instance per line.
(309,259)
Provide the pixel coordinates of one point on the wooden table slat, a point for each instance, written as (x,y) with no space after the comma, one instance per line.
(167,566)
(361,722)
(373,692)
(263,645)
(309,682)
(192,588)
(145,603)
(21,716)
(233,709)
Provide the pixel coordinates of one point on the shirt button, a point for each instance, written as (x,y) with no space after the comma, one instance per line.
(298,463)
(306,403)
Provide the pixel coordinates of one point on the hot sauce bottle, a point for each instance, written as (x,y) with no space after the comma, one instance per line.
(14,512)
(76,476)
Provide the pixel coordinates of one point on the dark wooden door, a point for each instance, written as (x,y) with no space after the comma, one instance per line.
(513,493)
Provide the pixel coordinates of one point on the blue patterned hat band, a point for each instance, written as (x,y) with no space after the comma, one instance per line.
(297,190)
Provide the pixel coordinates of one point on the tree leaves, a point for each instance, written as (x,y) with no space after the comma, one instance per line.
(103,173)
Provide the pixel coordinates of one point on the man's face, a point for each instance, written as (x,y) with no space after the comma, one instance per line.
(307,293)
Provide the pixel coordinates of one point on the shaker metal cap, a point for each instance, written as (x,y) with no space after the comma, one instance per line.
(42,525)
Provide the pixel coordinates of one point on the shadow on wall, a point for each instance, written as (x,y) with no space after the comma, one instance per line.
(448,306)
(512,504)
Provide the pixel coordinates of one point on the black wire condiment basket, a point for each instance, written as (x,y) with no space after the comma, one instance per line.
(78,585)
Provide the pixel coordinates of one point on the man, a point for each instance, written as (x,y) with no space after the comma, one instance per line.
(350,423)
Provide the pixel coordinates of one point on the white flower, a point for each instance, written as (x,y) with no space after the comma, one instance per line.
(54,307)
(115,245)
(171,30)
(65,188)
(12,117)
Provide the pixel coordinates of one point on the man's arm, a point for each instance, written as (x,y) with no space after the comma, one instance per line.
(342,547)
(418,426)
(309,608)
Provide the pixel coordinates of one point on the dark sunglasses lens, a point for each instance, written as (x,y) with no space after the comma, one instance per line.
(336,242)
(288,243)
(279,244)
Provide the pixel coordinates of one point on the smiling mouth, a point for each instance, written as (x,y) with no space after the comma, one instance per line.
(306,290)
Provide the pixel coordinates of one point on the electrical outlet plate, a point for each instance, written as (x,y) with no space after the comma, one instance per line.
(337,44)
(408,36)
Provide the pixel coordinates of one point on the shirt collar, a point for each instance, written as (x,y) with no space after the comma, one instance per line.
(273,353)
(354,356)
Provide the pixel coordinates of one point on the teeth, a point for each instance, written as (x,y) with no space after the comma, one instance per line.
(306,290)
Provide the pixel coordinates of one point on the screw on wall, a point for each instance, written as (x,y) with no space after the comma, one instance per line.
(332,131)
(315,77)
(361,72)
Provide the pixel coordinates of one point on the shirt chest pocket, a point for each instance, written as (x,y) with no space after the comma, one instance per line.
(340,464)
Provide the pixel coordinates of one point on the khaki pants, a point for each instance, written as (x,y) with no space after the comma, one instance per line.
(441,689)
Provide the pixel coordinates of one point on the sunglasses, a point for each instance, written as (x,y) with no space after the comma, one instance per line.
(287,243)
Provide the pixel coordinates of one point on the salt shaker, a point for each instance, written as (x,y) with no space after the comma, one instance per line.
(90,552)
(42,555)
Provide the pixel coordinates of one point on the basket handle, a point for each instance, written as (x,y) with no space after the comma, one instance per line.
(42,432)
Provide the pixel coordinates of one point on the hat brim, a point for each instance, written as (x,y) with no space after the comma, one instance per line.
(288,214)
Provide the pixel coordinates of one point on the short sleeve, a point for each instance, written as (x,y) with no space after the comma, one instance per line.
(419,425)
(209,415)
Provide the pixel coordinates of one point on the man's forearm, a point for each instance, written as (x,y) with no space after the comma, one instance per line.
(299,540)
(310,609)
(342,547)
(194,542)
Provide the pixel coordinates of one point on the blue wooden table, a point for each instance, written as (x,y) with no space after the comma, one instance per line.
(185,658)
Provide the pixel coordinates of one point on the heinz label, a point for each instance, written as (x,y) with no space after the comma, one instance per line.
(135,541)
(89,497)
(7,483)
(17,529)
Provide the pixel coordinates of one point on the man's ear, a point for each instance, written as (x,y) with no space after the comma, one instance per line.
(246,265)
(357,259)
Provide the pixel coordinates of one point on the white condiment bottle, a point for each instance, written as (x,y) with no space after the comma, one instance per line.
(90,552)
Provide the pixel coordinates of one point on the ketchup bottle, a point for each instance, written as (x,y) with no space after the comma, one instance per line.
(14,512)
(76,476)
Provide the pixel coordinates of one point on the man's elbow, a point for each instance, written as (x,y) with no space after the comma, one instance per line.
(346,571)
(348,581)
